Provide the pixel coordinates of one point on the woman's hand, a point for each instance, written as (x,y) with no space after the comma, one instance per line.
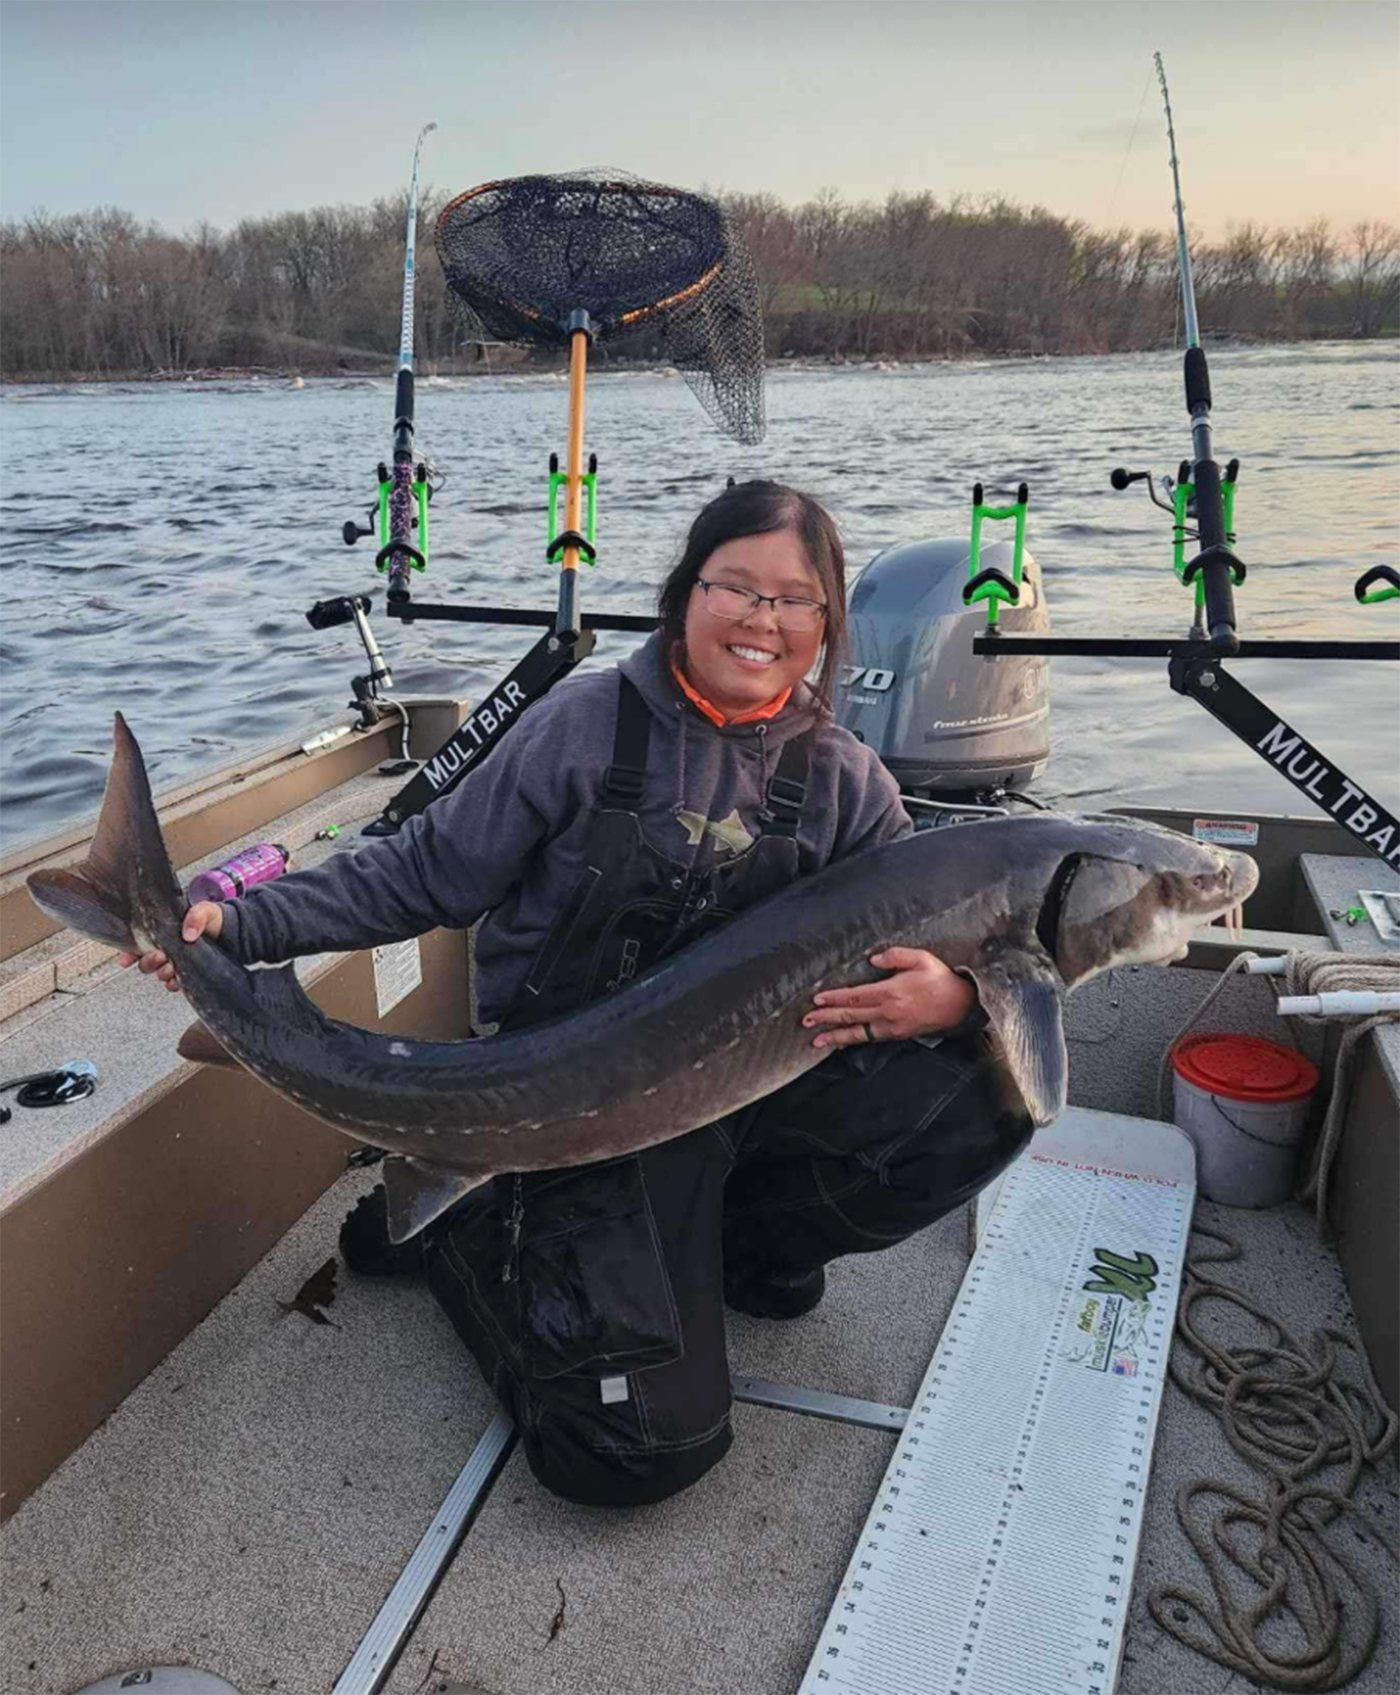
(204,918)
(921,997)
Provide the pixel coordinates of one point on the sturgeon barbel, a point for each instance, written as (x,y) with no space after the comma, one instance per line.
(1029,906)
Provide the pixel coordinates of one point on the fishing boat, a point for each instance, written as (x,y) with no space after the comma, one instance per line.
(207,1466)
(227,1465)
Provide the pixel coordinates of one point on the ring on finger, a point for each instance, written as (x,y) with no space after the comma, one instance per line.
(869,1032)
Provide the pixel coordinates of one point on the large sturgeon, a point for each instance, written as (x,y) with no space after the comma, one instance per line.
(1030,906)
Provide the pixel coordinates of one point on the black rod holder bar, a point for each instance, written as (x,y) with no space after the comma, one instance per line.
(411,610)
(1166,648)
(532,678)
(1205,680)
(1195,670)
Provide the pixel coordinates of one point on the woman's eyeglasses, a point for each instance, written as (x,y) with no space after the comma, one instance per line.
(732,603)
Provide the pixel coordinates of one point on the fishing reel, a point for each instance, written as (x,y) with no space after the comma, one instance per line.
(427,480)
(1180,505)
(1121,479)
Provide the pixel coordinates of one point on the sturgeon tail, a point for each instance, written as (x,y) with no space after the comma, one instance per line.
(127,876)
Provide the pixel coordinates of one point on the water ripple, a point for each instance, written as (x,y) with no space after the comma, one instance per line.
(207,648)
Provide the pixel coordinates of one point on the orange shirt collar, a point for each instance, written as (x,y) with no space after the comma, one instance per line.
(752,716)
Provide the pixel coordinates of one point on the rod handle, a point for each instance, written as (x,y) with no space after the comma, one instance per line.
(403,413)
(397,557)
(1197,381)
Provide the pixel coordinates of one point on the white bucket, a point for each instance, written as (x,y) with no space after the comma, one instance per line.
(1244,1102)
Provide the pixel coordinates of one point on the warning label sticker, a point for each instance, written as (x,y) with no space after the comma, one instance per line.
(1225,832)
(398,970)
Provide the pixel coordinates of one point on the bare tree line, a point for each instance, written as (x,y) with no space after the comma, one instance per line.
(98,293)
(915,276)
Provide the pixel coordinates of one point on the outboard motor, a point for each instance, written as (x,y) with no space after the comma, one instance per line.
(951,726)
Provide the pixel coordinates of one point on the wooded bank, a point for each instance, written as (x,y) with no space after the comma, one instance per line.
(98,293)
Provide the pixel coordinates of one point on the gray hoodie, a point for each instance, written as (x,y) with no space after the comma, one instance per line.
(509,841)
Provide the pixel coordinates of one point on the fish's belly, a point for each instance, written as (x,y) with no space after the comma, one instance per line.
(735,1074)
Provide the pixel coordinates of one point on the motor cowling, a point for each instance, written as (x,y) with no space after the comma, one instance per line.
(944,720)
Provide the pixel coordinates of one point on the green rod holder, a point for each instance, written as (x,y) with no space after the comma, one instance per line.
(420,488)
(558,480)
(1370,595)
(386,488)
(993,586)
(1181,498)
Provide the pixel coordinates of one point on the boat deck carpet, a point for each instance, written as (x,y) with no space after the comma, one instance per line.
(248,1507)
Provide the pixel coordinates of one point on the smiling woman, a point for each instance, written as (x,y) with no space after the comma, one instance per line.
(782,546)
(632,813)
(742,651)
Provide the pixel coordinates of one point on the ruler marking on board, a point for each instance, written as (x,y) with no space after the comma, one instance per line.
(1011,1511)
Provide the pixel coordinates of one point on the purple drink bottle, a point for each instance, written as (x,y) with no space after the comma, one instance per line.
(259,864)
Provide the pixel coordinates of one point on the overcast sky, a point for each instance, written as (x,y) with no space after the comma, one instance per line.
(181,110)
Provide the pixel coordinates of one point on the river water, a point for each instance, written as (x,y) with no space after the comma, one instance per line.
(161,543)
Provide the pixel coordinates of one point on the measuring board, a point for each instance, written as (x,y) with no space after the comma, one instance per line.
(998,1557)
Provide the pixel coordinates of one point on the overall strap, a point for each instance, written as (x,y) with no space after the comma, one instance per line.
(787,787)
(624,781)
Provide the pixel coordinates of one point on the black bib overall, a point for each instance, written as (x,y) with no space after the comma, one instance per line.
(591,1296)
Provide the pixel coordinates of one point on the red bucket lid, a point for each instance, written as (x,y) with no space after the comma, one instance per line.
(1244,1068)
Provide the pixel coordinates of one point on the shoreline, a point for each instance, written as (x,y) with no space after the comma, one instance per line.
(386,371)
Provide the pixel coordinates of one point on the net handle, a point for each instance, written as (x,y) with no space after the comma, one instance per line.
(573,464)
(566,624)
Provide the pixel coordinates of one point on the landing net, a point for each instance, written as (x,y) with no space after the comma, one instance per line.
(522,256)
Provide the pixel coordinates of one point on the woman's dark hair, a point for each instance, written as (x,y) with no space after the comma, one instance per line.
(757,509)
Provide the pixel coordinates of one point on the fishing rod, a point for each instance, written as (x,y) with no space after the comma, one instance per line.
(1216,564)
(398,552)
(399,491)
(405,486)
(1195,666)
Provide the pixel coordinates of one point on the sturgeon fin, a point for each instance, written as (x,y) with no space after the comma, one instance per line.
(417,1194)
(76,901)
(98,896)
(281,999)
(200,1044)
(1020,993)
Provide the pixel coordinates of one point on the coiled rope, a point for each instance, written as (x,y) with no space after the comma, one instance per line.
(1320,973)
(1286,1411)
(1290,1416)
